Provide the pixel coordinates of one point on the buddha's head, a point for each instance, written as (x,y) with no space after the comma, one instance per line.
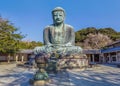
(58,14)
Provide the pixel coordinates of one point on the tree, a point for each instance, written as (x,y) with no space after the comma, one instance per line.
(114,35)
(9,37)
(29,44)
(81,35)
(96,41)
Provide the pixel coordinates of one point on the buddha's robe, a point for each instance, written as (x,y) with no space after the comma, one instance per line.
(61,40)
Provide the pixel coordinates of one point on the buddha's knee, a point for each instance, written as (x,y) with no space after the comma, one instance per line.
(37,50)
(79,49)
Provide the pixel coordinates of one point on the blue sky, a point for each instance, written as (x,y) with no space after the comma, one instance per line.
(31,16)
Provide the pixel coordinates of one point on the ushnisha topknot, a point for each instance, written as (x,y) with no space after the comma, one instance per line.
(58,9)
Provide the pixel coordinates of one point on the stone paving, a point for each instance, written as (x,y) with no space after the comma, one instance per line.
(60,79)
(104,75)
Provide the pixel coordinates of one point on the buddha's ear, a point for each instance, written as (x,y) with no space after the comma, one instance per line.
(64,18)
(64,14)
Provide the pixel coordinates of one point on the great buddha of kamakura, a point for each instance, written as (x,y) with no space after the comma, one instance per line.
(58,37)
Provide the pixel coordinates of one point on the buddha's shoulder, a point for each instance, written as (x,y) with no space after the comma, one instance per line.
(49,26)
(68,26)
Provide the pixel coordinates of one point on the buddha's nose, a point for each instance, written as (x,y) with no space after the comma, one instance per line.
(58,16)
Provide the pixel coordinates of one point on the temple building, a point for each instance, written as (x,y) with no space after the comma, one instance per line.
(93,55)
(20,56)
(111,54)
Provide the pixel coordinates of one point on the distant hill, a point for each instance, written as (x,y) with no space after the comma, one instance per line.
(81,36)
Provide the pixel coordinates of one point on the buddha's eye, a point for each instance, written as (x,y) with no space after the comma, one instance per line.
(60,15)
(55,15)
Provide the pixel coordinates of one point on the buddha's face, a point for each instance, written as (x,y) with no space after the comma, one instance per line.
(58,17)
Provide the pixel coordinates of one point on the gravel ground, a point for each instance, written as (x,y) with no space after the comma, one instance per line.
(104,75)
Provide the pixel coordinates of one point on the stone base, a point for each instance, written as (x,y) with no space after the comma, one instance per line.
(39,82)
(73,61)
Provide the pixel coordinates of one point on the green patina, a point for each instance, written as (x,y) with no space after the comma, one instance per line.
(58,37)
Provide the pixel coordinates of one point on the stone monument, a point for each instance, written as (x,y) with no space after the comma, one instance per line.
(59,37)
(59,43)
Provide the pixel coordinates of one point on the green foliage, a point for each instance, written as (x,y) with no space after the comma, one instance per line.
(29,45)
(81,35)
(110,32)
(9,37)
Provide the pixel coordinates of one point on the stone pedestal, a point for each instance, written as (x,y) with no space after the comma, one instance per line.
(39,83)
(73,61)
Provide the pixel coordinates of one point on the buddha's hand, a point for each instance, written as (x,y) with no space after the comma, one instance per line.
(37,50)
(49,45)
(68,44)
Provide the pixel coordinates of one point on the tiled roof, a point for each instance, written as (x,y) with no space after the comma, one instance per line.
(111,50)
(27,51)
